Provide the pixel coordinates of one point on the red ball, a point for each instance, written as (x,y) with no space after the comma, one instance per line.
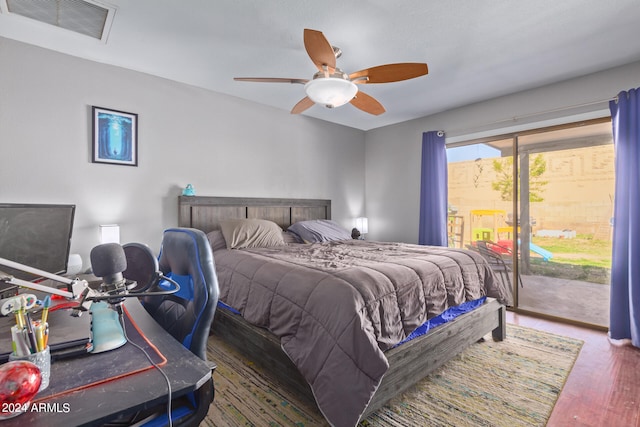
(19,383)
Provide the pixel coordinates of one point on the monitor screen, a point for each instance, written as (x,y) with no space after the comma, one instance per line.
(36,235)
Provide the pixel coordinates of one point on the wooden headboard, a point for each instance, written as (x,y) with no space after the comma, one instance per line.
(205,213)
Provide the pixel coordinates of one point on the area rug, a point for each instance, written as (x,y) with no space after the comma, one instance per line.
(511,383)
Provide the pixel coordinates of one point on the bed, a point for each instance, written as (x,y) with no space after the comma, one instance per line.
(347,372)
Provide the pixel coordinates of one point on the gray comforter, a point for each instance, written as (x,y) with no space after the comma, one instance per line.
(337,306)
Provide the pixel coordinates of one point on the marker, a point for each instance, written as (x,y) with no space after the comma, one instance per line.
(46,335)
(22,309)
(18,312)
(31,335)
(14,342)
(39,328)
(17,335)
(45,309)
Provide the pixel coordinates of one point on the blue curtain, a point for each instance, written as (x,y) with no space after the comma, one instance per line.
(625,266)
(433,190)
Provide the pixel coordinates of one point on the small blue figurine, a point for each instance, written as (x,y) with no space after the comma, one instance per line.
(188,191)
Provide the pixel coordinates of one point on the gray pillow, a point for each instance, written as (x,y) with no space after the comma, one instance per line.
(291,238)
(251,233)
(319,230)
(216,240)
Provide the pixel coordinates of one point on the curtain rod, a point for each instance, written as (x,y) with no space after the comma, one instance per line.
(539,113)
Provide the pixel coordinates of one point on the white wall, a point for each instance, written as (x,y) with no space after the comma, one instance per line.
(228,147)
(221,145)
(393,152)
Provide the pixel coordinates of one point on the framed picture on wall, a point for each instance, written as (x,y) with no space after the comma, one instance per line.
(115,137)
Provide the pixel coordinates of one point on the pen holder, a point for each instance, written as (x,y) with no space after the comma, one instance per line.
(42,360)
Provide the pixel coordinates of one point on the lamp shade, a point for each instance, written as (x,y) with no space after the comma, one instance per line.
(330,91)
(110,233)
(362,224)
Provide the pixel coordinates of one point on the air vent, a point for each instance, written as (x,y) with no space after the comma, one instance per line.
(89,18)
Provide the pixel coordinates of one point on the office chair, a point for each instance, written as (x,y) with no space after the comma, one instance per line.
(186,257)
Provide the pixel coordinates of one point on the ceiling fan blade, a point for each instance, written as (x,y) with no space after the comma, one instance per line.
(390,73)
(367,103)
(269,80)
(319,49)
(304,103)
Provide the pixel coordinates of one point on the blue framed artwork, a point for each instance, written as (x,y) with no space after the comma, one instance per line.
(115,137)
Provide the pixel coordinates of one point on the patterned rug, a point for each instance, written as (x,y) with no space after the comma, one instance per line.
(511,383)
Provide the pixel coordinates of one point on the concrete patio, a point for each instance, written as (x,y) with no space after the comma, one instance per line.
(570,299)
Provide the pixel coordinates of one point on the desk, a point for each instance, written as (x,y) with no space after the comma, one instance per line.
(100,403)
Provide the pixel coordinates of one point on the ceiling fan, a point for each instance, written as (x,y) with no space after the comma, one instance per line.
(332,87)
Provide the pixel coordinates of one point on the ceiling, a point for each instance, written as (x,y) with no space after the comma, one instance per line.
(475,50)
(554,138)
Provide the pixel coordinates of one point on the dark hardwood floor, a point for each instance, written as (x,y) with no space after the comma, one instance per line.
(603,388)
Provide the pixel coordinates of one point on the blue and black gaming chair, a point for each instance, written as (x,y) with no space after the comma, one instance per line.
(186,257)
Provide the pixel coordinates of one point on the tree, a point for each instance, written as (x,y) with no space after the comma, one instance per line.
(504,183)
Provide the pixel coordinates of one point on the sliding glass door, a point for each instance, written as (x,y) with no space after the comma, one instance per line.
(566,206)
(555,239)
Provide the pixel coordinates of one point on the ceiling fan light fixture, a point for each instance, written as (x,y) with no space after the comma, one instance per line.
(330,91)
(332,87)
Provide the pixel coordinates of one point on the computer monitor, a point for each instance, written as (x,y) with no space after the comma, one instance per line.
(36,235)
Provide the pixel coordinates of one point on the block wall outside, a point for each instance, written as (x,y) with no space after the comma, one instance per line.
(578,195)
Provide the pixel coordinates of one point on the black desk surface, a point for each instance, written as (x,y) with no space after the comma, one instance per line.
(96,404)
